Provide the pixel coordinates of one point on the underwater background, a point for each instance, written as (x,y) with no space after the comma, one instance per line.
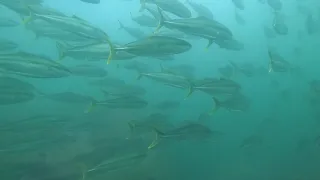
(245,111)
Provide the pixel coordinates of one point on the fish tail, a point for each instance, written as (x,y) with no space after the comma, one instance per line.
(91,106)
(270,62)
(270,67)
(143,5)
(210,42)
(121,25)
(139,76)
(155,142)
(83,169)
(26,20)
(131,15)
(111,51)
(216,107)
(61,50)
(105,93)
(40,93)
(190,90)
(132,127)
(161,20)
(234,69)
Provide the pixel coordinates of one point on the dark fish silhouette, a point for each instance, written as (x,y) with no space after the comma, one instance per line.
(91,1)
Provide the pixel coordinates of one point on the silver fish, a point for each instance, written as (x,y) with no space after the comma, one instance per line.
(154,46)
(88,71)
(201,9)
(134,32)
(7,47)
(30,65)
(201,27)
(70,97)
(8,22)
(173,6)
(123,102)
(145,20)
(189,131)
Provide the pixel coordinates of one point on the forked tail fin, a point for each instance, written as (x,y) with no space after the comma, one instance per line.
(155,142)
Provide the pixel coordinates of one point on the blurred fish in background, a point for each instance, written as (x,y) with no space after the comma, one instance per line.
(159,89)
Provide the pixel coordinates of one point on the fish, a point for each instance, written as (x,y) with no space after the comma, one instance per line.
(88,71)
(38,122)
(43,10)
(279,24)
(227,71)
(173,6)
(315,86)
(62,170)
(200,26)
(245,68)
(312,25)
(123,102)
(204,118)
(200,9)
(42,28)
(123,90)
(239,4)
(91,1)
(304,10)
(253,140)
(20,6)
(146,124)
(164,58)
(231,44)
(215,86)
(7,47)
(145,20)
(277,63)
(171,33)
(154,12)
(168,79)
(111,154)
(185,132)
(8,22)
(152,46)
(10,82)
(118,163)
(137,66)
(75,43)
(15,91)
(239,19)
(237,102)
(69,97)
(91,52)
(275,4)
(72,24)
(30,65)
(182,69)
(134,32)
(269,32)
